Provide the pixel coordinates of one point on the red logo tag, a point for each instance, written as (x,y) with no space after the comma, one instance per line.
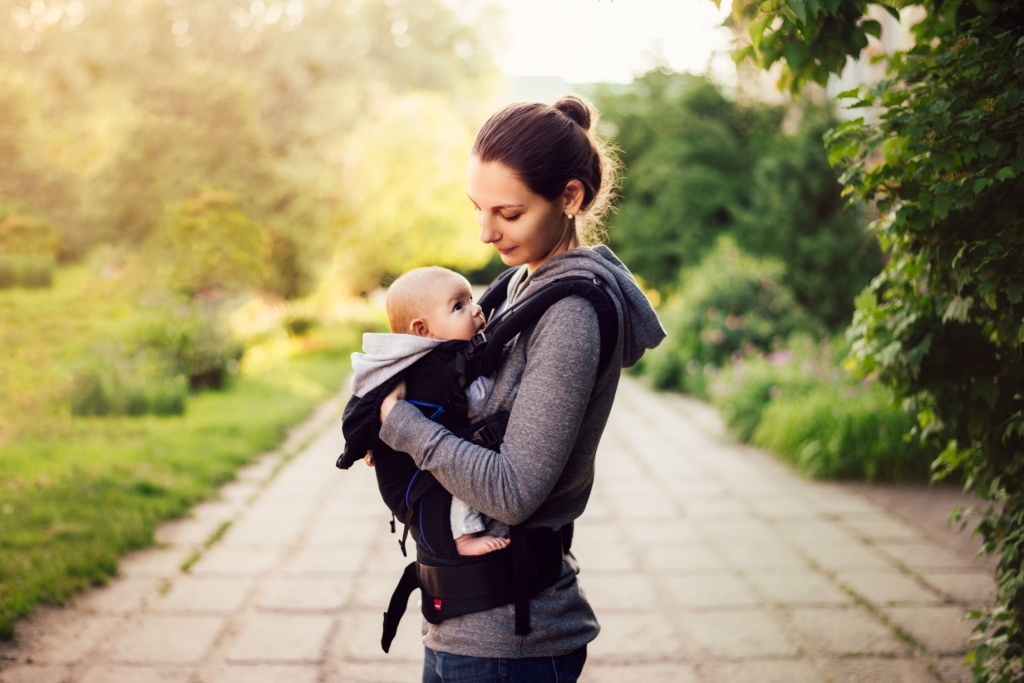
(437,605)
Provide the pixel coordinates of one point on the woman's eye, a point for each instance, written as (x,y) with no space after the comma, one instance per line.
(511,218)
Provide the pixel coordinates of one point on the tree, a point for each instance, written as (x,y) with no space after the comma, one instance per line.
(700,165)
(405,189)
(688,153)
(211,247)
(797,214)
(942,160)
(153,100)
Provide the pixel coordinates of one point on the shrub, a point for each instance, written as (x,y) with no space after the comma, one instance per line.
(121,385)
(195,341)
(28,252)
(730,303)
(31,271)
(843,432)
(743,390)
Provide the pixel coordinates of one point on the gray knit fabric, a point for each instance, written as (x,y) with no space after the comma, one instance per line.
(384,356)
(545,470)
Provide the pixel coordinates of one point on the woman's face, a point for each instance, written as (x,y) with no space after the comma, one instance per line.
(524,227)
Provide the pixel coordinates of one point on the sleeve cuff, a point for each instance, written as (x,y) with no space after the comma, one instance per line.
(408,430)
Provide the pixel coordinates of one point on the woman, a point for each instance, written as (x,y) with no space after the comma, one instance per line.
(540,182)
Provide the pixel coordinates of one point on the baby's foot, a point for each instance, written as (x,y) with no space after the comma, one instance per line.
(471,544)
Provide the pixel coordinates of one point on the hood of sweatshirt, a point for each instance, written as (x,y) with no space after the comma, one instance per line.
(384,356)
(640,325)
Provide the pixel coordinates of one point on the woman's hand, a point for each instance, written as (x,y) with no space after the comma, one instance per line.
(396,395)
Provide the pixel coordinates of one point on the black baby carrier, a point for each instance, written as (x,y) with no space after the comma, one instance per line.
(452,584)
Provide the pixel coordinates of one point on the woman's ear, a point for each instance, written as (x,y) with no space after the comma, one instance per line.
(572,197)
(419,327)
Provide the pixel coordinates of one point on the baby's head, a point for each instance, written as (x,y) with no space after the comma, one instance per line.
(433,302)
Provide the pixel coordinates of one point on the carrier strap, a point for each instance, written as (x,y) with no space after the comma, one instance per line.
(502,328)
(497,292)
(520,579)
(396,607)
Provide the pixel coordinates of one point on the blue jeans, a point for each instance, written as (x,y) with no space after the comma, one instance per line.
(441,667)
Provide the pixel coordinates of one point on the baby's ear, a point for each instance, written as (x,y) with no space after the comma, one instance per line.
(419,328)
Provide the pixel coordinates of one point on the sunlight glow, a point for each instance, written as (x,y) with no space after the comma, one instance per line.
(611,41)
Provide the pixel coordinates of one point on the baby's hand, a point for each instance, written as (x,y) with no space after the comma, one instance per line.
(368,458)
(396,395)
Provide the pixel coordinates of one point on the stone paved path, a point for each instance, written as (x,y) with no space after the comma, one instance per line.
(706,562)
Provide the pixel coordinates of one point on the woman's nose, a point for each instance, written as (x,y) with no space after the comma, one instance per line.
(487,233)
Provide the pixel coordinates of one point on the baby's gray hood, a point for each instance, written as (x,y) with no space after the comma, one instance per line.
(641,328)
(384,356)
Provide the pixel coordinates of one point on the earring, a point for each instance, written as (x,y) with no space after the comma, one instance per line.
(570,216)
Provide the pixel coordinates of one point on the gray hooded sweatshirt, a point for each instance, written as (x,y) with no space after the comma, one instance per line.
(544,472)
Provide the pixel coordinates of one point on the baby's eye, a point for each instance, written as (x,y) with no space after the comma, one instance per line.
(458,306)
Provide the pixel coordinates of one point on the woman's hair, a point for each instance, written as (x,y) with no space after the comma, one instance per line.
(546,146)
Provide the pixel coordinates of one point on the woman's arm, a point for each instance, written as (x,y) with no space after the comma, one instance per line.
(561,364)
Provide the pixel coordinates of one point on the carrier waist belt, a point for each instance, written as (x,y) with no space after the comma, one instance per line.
(530,563)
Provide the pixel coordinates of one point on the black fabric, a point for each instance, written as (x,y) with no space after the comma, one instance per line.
(399,601)
(437,387)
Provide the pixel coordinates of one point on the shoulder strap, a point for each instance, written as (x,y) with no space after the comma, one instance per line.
(497,292)
(526,311)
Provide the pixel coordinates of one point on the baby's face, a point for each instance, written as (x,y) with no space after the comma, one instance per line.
(453,314)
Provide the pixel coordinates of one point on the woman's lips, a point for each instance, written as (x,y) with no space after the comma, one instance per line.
(505,252)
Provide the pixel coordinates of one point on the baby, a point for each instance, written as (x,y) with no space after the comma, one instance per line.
(425,306)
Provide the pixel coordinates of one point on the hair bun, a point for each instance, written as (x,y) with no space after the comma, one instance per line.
(576,109)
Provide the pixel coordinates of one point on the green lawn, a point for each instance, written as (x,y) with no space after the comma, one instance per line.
(77,493)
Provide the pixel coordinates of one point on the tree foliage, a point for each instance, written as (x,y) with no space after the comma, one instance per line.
(115,110)
(942,160)
(405,185)
(700,165)
(209,246)
(730,303)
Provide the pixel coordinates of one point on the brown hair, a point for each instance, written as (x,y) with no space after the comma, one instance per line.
(546,146)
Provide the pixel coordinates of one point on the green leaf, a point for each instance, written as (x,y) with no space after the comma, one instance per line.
(832,6)
(1006,173)
(958,309)
(756,30)
(872,28)
(981,183)
(799,9)
(797,55)
(988,147)
(1015,292)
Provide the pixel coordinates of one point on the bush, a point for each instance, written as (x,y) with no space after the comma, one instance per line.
(743,390)
(31,271)
(129,386)
(843,432)
(195,342)
(730,303)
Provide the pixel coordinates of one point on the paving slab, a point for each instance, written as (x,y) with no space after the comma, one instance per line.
(847,632)
(706,561)
(762,671)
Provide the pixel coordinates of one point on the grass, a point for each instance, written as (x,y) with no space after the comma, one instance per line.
(78,493)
